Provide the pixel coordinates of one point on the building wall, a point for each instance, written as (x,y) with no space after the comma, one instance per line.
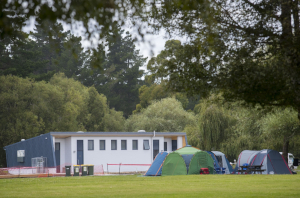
(108,156)
(169,144)
(34,147)
(68,151)
(179,142)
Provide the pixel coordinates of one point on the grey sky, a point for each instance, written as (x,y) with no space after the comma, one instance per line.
(151,46)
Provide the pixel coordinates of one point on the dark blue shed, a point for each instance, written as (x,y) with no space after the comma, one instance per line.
(34,147)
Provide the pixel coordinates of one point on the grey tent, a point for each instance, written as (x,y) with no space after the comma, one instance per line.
(223,162)
(272,162)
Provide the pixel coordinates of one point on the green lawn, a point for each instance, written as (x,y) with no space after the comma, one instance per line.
(167,186)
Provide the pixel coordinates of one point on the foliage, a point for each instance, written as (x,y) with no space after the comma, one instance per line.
(193,135)
(102,15)
(179,64)
(42,53)
(229,127)
(20,56)
(121,75)
(16,116)
(253,59)
(281,125)
(147,94)
(166,115)
(215,125)
(114,121)
(30,108)
(246,132)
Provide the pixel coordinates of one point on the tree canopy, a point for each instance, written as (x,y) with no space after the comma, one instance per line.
(166,115)
(249,49)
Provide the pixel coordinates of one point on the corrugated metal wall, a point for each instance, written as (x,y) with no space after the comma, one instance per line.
(34,147)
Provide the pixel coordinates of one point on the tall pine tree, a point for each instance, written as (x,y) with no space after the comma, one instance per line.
(121,76)
(50,39)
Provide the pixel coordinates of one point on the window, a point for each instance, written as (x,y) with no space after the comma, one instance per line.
(102,144)
(146,145)
(123,144)
(165,146)
(134,145)
(114,145)
(90,144)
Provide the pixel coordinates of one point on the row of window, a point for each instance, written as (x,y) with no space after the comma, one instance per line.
(113,144)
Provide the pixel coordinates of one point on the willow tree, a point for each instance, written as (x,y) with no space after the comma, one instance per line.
(215,126)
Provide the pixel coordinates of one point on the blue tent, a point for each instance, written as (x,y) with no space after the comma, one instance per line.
(223,162)
(216,162)
(156,167)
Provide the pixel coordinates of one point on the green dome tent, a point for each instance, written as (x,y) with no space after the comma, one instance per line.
(201,159)
(174,165)
(187,160)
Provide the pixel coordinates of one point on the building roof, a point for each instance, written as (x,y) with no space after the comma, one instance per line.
(110,134)
(105,134)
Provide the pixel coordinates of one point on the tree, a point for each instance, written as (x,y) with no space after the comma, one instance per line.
(17,120)
(249,49)
(97,108)
(114,121)
(170,65)
(50,39)
(19,54)
(215,126)
(147,94)
(72,58)
(281,125)
(166,115)
(41,54)
(121,77)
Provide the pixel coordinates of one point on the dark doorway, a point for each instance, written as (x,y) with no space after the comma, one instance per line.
(174,145)
(155,148)
(165,146)
(79,152)
(57,156)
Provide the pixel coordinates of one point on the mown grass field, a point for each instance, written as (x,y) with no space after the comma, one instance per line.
(166,186)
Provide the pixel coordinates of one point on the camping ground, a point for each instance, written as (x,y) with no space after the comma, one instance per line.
(165,186)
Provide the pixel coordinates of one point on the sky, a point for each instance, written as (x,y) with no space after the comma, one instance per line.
(151,46)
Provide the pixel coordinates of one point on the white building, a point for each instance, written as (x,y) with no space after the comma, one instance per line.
(135,150)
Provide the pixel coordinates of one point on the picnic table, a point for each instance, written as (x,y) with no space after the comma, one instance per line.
(246,169)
